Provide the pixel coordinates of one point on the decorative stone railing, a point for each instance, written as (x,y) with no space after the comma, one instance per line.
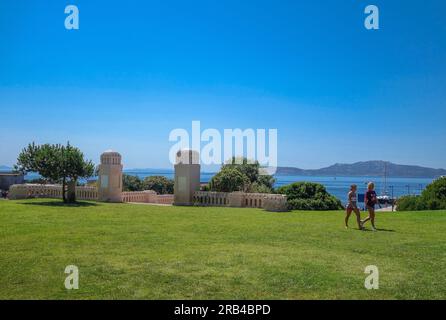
(275,202)
(254,200)
(147,196)
(207,198)
(269,202)
(139,196)
(25,191)
(165,198)
(86,193)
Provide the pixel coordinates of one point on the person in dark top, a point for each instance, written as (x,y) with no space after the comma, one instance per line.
(370,202)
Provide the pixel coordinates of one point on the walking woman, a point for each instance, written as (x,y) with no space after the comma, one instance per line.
(352,206)
(370,202)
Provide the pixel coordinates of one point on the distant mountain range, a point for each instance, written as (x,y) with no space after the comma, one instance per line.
(366,168)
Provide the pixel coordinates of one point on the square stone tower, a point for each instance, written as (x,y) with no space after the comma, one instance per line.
(187,177)
(110,177)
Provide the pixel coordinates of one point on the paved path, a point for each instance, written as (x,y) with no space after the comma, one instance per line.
(151,204)
(388,209)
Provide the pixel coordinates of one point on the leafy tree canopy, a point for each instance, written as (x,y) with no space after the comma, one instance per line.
(239,174)
(131,183)
(160,184)
(55,162)
(229,180)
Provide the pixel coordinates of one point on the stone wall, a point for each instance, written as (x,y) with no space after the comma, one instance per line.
(147,196)
(26,191)
(269,202)
(165,199)
(205,198)
(138,196)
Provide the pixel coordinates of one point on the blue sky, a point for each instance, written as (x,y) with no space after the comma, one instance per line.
(135,70)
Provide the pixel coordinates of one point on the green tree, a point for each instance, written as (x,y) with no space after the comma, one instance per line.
(44,159)
(267,181)
(74,168)
(248,168)
(58,163)
(229,180)
(131,183)
(257,187)
(160,184)
(257,182)
(435,192)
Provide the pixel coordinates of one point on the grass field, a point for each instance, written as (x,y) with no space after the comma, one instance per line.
(127,251)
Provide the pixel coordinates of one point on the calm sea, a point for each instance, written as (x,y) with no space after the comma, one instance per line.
(337,186)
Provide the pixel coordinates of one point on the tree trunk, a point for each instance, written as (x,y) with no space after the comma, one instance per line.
(64,198)
(72,191)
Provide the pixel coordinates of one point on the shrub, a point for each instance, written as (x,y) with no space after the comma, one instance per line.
(432,198)
(409,203)
(160,184)
(309,196)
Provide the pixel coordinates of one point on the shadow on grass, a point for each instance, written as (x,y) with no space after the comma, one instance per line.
(60,204)
(385,230)
(378,229)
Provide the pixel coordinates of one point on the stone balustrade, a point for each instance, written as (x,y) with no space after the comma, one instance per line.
(254,200)
(207,198)
(86,193)
(269,202)
(275,202)
(147,196)
(165,199)
(25,191)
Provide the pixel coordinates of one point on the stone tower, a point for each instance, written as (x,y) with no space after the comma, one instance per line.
(110,177)
(187,177)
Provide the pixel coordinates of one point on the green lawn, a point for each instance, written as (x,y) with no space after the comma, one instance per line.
(127,251)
